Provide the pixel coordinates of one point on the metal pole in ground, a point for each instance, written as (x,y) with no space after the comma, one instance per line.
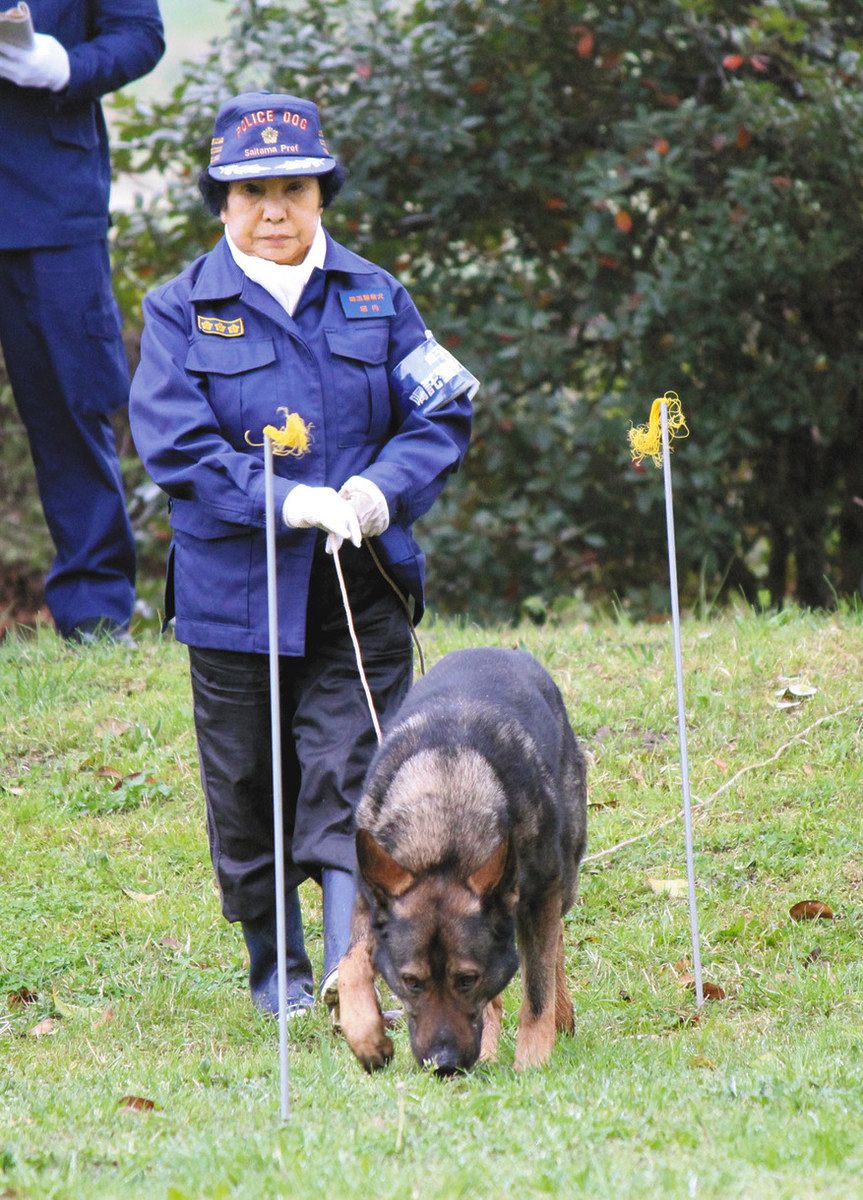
(276,733)
(681,711)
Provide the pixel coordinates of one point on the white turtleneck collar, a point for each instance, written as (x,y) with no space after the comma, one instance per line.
(284,282)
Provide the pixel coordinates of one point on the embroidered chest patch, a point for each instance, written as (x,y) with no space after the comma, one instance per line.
(232,327)
(372,303)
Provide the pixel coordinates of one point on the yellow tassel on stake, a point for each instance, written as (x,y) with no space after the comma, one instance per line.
(645,441)
(654,441)
(294,438)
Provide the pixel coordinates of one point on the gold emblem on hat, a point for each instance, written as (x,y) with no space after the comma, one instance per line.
(269,135)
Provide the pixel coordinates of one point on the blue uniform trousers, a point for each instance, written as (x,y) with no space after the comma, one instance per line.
(60,334)
(327,736)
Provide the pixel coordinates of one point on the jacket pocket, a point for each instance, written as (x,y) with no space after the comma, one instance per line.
(211,579)
(358,358)
(75,127)
(234,370)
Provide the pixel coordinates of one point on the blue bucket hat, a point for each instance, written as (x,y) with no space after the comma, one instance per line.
(263,133)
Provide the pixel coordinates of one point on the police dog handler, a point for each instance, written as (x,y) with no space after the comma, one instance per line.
(280,325)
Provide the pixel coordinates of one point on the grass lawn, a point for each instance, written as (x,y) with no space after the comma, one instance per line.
(118,977)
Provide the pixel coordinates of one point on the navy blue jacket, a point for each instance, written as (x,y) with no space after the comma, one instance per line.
(219,359)
(54,166)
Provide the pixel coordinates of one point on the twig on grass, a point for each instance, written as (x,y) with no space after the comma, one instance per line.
(702,804)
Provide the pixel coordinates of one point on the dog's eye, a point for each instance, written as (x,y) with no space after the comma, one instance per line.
(412,983)
(466,981)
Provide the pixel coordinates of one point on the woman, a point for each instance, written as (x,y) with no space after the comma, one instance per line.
(280,325)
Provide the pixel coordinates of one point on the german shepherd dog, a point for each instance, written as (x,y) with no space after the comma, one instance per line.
(470,833)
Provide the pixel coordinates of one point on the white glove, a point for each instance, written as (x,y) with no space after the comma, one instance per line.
(45,64)
(369,504)
(322,508)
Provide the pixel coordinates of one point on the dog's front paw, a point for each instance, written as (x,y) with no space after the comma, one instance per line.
(374,1053)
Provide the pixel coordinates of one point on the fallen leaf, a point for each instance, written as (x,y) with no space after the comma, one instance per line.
(21,997)
(712,991)
(113,727)
(813,956)
(611,802)
(49,1025)
(109,773)
(668,887)
(811,910)
(142,897)
(136,1104)
(793,692)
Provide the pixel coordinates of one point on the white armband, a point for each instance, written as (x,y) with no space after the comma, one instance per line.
(430,375)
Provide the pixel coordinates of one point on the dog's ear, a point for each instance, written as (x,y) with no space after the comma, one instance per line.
(378,868)
(486,877)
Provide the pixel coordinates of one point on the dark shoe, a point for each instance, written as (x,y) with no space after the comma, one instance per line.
(90,633)
(260,937)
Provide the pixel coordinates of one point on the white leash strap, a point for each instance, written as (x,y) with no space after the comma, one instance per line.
(332,545)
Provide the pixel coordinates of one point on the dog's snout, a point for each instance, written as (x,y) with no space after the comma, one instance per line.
(445,1060)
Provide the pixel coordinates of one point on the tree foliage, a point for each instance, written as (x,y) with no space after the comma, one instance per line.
(590,203)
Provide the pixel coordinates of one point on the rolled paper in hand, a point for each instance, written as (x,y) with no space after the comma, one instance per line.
(16,27)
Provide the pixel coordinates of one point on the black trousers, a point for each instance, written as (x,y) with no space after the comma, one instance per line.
(327,739)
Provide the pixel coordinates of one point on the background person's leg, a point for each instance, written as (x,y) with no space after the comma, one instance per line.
(60,333)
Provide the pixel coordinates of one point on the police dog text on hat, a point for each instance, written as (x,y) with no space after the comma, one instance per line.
(262,134)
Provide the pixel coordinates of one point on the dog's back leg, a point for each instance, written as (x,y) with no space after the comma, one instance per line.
(359,1011)
(538,935)
(564,1017)
(491,1021)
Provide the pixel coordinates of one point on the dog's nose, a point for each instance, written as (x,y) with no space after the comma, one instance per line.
(444,1061)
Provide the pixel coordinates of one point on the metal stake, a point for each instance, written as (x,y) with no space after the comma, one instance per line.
(276,737)
(681,714)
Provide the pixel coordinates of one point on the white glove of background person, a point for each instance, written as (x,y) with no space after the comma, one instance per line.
(45,64)
(369,504)
(322,508)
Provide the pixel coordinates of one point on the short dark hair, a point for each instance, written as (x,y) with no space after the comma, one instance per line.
(214,192)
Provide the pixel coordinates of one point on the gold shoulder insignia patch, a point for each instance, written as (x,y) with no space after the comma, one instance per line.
(230,327)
